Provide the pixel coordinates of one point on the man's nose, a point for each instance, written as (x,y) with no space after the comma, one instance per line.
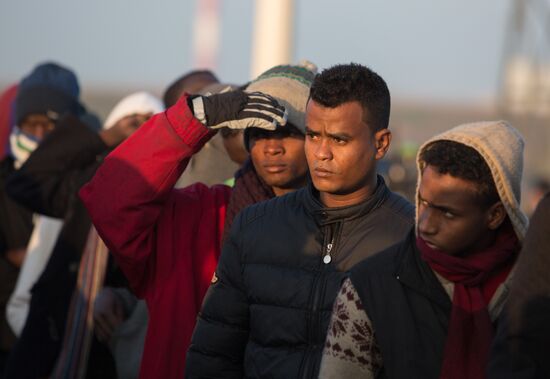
(40,131)
(323,152)
(427,221)
(273,146)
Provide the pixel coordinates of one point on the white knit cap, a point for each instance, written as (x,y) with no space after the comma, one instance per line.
(136,103)
(501,146)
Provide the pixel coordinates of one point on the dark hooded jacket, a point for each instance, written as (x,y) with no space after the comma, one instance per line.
(520,350)
(52,90)
(48,183)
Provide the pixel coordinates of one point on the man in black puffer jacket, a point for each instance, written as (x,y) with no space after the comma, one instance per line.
(267,311)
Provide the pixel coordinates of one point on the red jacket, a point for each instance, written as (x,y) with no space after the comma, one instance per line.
(6,102)
(166,241)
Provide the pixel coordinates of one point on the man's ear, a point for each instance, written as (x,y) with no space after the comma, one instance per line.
(496,215)
(382,140)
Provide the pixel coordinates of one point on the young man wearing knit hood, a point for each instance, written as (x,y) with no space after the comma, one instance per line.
(426,307)
(267,311)
(167,241)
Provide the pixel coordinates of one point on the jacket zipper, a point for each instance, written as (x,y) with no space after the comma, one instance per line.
(318,290)
(327,258)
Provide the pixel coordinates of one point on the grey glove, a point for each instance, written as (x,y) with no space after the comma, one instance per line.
(239,110)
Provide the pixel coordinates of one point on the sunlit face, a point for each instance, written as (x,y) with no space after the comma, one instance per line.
(129,124)
(342,149)
(134,120)
(279,158)
(450,217)
(37,125)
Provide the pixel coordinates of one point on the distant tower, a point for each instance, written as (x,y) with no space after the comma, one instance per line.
(272,34)
(525,71)
(206,35)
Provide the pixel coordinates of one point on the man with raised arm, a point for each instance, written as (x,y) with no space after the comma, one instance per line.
(167,241)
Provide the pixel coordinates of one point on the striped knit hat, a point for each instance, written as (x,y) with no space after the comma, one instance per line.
(501,146)
(290,86)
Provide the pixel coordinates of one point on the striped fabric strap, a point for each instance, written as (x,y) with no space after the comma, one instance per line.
(21,146)
(73,358)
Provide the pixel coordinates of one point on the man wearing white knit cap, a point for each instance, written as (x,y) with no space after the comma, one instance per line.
(426,307)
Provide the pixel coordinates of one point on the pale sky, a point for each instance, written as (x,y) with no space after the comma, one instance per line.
(425,49)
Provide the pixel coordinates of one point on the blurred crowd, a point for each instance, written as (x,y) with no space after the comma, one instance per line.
(263,230)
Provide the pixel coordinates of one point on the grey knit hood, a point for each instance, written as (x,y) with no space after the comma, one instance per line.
(501,146)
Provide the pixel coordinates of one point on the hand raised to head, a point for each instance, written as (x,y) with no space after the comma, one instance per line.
(239,110)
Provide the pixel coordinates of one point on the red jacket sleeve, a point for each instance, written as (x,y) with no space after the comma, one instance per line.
(128,193)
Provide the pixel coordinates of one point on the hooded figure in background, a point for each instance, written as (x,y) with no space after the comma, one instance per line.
(56,333)
(46,94)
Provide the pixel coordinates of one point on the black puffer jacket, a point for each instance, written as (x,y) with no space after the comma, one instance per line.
(267,312)
(412,328)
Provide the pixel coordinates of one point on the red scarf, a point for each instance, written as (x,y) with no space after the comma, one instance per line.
(476,278)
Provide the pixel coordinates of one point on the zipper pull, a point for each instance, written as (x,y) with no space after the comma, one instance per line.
(327,258)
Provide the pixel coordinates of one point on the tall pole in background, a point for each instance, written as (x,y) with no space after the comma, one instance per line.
(206,35)
(525,72)
(524,95)
(272,34)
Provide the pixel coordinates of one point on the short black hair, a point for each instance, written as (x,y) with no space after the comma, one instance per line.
(353,82)
(176,89)
(464,162)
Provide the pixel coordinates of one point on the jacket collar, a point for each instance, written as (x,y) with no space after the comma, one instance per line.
(323,215)
(414,273)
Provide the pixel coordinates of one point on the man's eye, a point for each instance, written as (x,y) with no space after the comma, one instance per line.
(449,215)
